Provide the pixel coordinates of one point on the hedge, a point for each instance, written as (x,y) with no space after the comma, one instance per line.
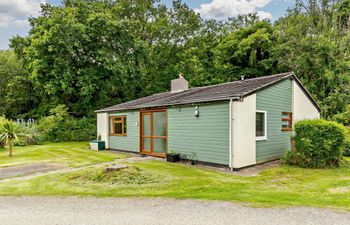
(318,144)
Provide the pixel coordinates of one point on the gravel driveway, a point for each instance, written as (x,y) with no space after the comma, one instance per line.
(114,211)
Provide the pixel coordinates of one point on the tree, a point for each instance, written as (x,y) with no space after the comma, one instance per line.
(310,44)
(16,93)
(8,133)
(91,54)
(96,53)
(246,51)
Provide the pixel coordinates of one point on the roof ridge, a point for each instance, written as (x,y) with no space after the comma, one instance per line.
(178,94)
(249,79)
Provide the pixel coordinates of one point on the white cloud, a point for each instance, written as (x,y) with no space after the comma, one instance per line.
(5,20)
(264,15)
(220,9)
(20,23)
(16,12)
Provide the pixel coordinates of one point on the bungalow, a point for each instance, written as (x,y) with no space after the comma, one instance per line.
(236,124)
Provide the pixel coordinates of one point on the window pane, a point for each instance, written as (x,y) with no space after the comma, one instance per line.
(146,124)
(159,124)
(260,124)
(118,128)
(285,124)
(159,145)
(125,127)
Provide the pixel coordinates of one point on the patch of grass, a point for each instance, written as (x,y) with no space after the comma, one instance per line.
(72,154)
(280,186)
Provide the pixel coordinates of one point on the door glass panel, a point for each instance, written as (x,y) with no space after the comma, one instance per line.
(159,145)
(146,124)
(146,144)
(159,124)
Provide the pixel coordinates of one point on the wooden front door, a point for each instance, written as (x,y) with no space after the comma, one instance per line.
(153,132)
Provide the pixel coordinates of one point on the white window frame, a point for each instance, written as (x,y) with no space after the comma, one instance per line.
(262,138)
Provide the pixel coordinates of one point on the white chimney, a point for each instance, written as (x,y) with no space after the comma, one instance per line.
(179,84)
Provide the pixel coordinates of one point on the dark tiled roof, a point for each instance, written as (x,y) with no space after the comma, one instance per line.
(225,91)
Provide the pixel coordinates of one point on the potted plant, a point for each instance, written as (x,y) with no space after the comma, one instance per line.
(173,157)
(98,144)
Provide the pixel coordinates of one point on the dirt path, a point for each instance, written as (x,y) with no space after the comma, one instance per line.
(14,171)
(34,170)
(127,211)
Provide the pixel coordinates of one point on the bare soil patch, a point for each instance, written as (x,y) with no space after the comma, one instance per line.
(15,171)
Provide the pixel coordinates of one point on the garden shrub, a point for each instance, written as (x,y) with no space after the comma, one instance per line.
(347,143)
(343,117)
(2,143)
(28,135)
(318,144)
(60,126)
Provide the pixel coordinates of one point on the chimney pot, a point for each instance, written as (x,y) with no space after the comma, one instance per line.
(178,85)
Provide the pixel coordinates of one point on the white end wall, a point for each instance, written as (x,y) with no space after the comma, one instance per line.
(303,108)
(102,127)
(243,132)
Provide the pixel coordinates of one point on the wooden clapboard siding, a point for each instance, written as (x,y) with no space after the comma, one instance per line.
(129,142)
(206,135)
(275,100)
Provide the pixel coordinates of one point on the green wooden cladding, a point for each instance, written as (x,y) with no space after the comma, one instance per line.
(131,141)
(274,100)
(206,135)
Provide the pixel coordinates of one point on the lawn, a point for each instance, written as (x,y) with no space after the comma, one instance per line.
(72,154)
(280,186)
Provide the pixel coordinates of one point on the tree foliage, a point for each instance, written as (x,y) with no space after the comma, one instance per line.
(16,95)
(96,53)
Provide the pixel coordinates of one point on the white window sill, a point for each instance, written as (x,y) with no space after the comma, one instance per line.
(261,138)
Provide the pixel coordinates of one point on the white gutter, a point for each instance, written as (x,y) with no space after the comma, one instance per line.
(230,136)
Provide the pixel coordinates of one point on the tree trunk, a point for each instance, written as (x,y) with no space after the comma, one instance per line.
(10,148)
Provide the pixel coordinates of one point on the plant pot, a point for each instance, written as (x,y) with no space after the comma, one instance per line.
(173,157)
(97,145)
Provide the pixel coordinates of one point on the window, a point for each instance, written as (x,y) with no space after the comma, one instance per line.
(260,123)
(287,121)
(118,126)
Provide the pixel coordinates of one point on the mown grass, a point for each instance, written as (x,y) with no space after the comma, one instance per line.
(72,154)
(280,186)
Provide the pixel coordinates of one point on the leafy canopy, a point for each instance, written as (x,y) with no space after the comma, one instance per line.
(92,54)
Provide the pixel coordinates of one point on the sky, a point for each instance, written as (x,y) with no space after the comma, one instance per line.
(14,13)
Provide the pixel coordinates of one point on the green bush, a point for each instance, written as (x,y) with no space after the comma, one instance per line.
(347,149)
(343,117)
(2,143)
(28,135)
(318,144)
(59,126)
(347,143)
